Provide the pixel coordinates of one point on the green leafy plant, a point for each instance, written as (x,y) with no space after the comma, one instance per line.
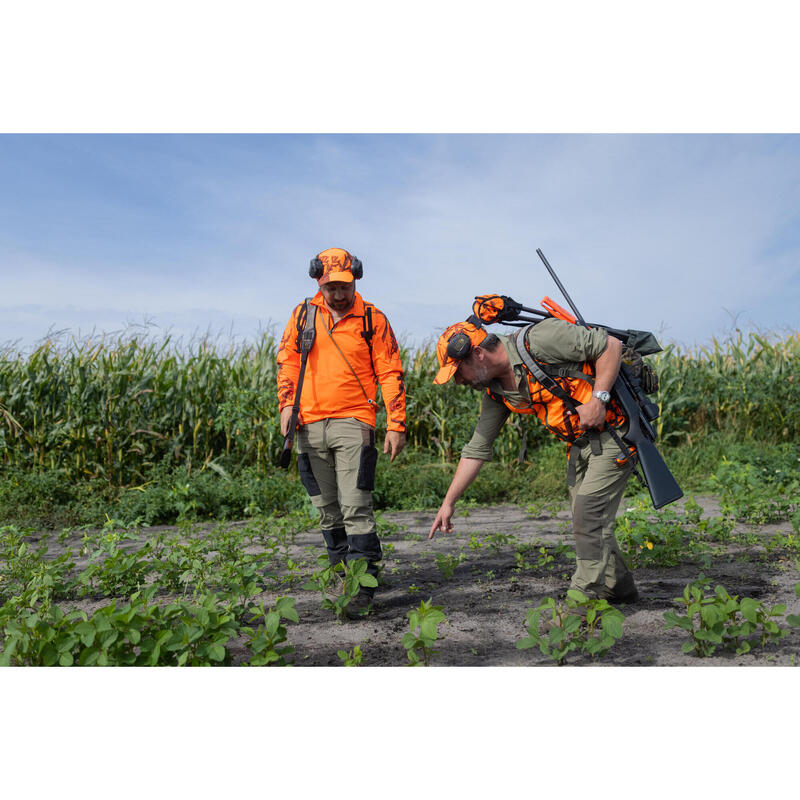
(112,570)
(544,559)
(419,641)
(757,491)
(268,641)
(720,620)
(662,538)
(352,658)
(498,541)
(587,625)
(348,578)
(447,563)
(136,633)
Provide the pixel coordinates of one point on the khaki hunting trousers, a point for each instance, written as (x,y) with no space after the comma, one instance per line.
(335,458)
(596,485)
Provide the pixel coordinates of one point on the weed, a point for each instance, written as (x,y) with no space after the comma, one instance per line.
(497,541)
(651,538)
(347,577)
(588,625)
(352,658)
(268,641)
(544,559)
(447,563)
(419,641)
(720,620)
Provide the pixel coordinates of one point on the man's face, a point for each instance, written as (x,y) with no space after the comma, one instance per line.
(473,372)
(339,295)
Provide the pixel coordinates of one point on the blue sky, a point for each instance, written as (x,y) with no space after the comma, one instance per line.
(683,234)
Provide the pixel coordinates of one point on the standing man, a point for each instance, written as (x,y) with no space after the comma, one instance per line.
(354,350)
(577,409)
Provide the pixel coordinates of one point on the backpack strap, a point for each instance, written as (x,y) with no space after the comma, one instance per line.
(306,326)
(549,383)
(537,371)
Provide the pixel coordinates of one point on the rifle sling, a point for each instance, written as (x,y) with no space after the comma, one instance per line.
(306,343)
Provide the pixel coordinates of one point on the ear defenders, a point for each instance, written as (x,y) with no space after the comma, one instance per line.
(459,346)
(317,268)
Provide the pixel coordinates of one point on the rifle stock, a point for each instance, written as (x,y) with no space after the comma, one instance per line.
(659,480)
(286,453)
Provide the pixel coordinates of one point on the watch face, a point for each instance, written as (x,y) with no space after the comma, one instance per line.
(603,397)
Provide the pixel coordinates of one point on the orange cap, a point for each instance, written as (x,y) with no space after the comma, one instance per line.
(337,266)
(449,362)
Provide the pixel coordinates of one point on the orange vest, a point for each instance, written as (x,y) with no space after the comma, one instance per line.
(552,411)
(330,388)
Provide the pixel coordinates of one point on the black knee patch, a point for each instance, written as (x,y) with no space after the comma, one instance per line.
(587,526)
(365,480)
(307,476)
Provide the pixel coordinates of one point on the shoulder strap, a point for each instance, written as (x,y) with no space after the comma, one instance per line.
(306,327)
(536,370)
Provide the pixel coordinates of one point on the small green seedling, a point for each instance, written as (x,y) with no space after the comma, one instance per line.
(353,658)
(447,563)
(419,641)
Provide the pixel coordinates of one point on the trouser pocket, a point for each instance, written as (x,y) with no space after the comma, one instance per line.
(366,468)
(307,476)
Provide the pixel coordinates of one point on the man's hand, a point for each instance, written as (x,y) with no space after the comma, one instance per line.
(592,414)
(394,441)
(443,520)
(286,418)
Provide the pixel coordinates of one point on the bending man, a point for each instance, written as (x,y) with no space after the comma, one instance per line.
(577,409)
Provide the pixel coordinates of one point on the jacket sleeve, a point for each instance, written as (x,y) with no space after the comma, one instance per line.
(288,362)
(389,372)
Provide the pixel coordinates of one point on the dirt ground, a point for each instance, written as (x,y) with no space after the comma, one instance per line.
(486,599)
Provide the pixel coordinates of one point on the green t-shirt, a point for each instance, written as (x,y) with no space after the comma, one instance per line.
(551,341)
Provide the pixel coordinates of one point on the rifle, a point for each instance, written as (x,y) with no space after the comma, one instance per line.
(306,343)
(640,412)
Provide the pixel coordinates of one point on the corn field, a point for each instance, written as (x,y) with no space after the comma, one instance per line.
(116,407)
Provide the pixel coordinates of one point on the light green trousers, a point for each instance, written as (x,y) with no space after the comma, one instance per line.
(332,455)
(596,485)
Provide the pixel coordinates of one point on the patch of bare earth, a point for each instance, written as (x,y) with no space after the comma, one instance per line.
(486,598)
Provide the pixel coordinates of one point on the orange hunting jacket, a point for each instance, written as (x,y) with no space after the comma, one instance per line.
(330,390)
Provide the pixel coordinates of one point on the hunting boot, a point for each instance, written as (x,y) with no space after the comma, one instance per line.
(336,542)
(367,546)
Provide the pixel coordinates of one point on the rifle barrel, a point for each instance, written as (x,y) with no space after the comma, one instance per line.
(561,288)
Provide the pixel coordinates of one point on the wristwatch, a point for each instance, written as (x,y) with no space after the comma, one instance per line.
(603,397)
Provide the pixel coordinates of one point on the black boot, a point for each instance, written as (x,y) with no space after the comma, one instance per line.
(336,542)
(367,546)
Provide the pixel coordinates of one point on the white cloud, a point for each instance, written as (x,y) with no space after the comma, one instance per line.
(671,233)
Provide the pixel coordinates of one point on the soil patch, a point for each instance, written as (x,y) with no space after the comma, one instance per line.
(486,597)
